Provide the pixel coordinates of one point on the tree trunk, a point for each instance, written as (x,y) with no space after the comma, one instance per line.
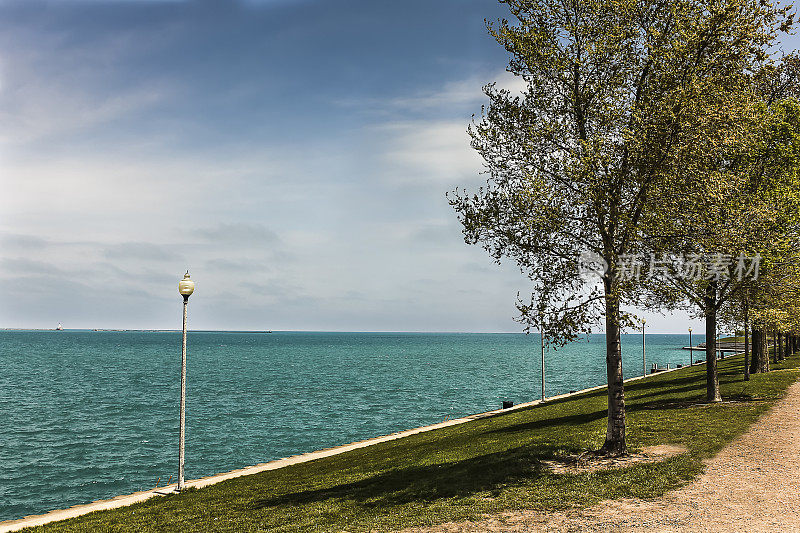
(757,345)
(615,431)
(774,347)
(746,343)
(712,383)
(779,346)
(765,359)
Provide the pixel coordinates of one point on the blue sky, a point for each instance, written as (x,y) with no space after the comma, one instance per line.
(293,154)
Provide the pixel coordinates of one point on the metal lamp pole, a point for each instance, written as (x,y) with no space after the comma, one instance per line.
(186,288)
(644,359)
(541,335)
(691,349)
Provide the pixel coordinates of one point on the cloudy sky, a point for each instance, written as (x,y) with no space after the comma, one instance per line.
(293,154)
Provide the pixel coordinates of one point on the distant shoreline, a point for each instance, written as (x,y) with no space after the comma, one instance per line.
(118,330)
(97,329)
(106,330)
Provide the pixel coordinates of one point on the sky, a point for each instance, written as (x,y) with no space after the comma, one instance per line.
(294,155)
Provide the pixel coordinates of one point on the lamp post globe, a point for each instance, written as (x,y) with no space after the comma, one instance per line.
(186,285)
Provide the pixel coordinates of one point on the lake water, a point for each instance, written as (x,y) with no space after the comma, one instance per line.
(87,415)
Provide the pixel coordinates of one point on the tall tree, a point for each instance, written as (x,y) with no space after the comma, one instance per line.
(614,88)
(736,313)
(742,212)
(775,301)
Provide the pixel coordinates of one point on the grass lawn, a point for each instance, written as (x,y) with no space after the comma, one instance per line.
(480,467)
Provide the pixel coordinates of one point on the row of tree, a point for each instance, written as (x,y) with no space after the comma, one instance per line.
(660,141)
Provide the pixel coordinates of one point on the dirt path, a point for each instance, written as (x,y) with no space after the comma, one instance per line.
(739,491)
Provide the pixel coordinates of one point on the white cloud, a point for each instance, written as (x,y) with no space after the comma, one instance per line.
(426,152)
(467,93)
(55,87)
(459,93)
(239,233)
(30,113)
(416,144)
(463,97)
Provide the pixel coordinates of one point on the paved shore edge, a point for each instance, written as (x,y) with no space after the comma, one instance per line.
(136,497)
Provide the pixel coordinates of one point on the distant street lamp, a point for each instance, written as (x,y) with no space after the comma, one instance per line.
(644,359)
(541,335)
(691,349)
(186,288)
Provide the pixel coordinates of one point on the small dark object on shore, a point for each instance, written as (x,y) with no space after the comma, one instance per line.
(507,404)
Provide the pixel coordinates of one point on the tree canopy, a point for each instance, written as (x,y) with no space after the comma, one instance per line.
(617,93)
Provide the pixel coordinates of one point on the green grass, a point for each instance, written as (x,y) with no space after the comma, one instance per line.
(480,467)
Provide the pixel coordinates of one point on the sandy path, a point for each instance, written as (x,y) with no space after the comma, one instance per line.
(739,491)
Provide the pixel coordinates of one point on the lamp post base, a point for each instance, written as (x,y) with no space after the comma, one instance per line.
(166,491)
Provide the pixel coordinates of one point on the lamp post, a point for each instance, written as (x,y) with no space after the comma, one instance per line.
(541,335)
(186,288)
(644,359)
(691,349)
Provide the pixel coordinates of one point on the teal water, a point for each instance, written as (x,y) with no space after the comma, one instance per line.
(89,415)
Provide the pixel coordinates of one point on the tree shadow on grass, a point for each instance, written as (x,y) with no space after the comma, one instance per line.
(671,387)
(429,483)
(489,472)
(669,403)
(568,420)
(691,402)
(663,384)
(688,384)
(672,381)
(485,473)
(635,398)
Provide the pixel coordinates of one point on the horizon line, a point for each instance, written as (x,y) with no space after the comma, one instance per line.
(159,330)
